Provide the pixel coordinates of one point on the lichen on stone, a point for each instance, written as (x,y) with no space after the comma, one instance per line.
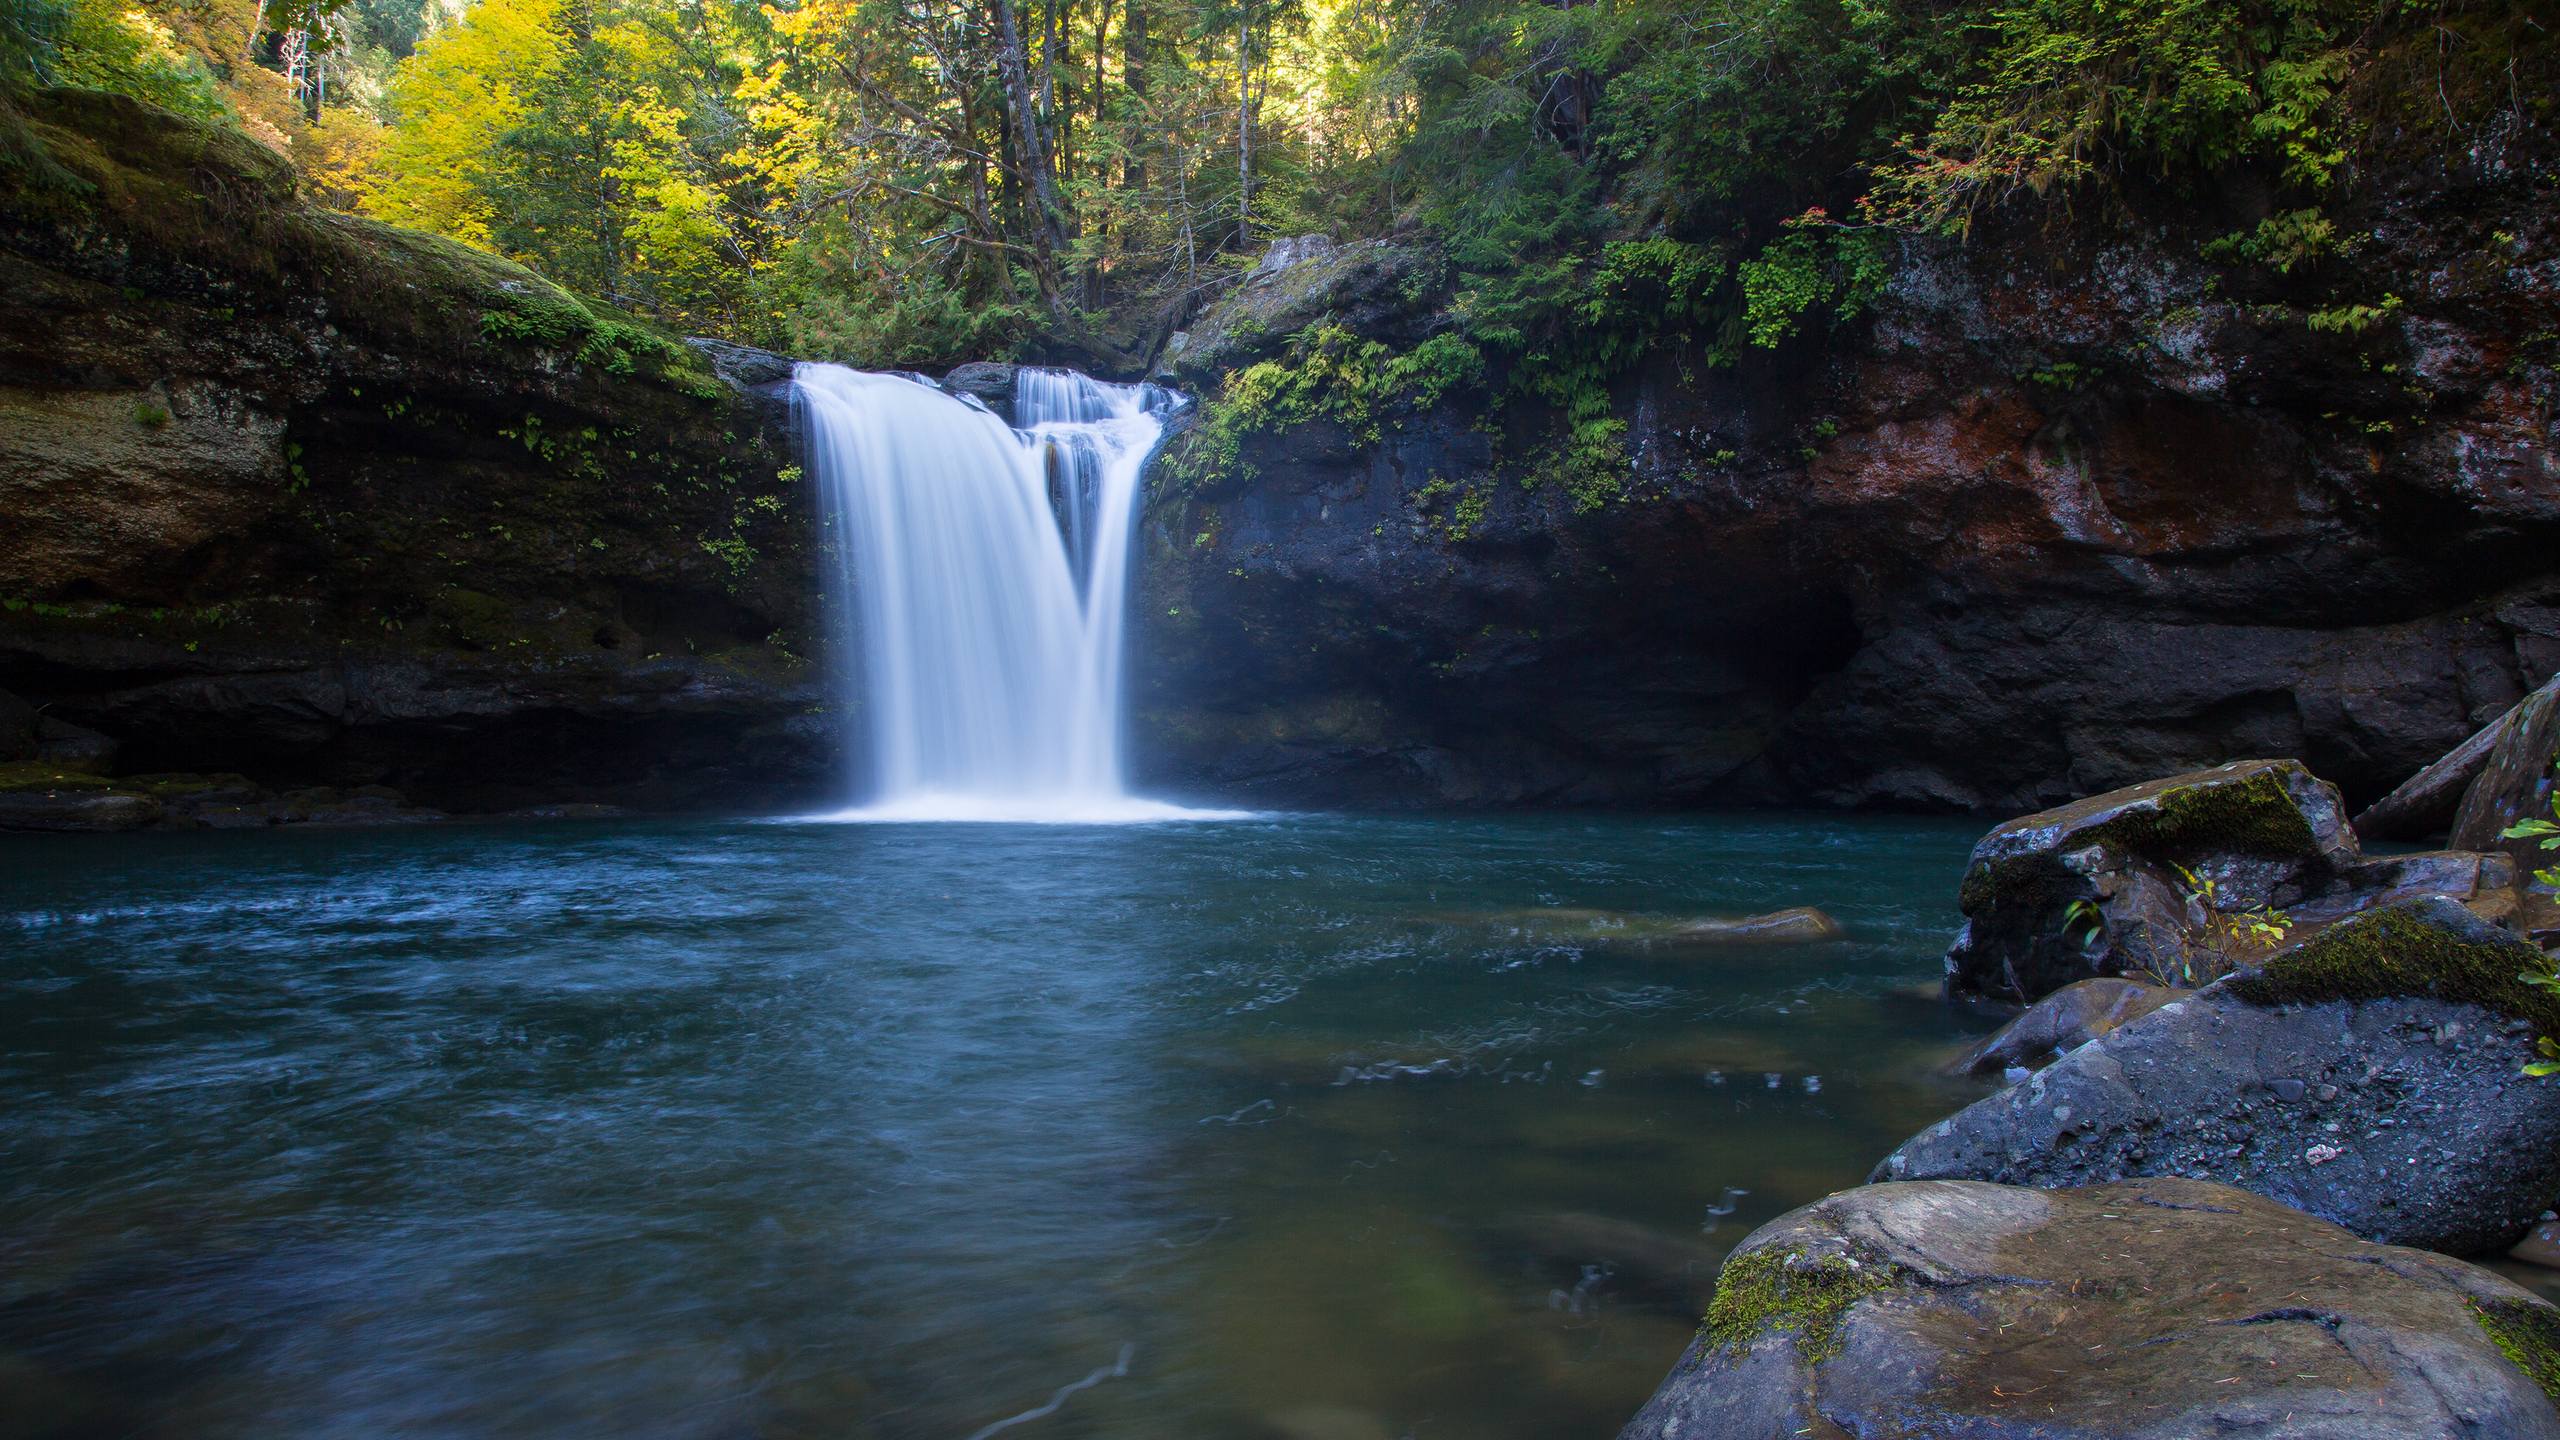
(2526,1333)
(1775,1291)
(2423,949)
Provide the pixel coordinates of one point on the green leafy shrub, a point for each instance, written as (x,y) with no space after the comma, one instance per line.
(1811,267)
(2075,94)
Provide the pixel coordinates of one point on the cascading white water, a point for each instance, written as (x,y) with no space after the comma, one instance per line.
(982,582)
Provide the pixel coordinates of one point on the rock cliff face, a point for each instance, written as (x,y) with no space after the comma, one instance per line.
(2063,513)
(327,503)
(324,502)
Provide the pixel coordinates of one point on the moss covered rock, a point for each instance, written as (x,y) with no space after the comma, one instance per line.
(2428,949)
(2159,880)
(2159,1309)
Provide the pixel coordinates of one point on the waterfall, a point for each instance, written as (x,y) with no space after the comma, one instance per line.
(981,588)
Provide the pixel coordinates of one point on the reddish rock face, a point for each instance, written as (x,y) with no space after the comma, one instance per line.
(2059,515)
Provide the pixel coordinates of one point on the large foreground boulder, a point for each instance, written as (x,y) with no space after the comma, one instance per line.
(2155,1308)
(2372,1075)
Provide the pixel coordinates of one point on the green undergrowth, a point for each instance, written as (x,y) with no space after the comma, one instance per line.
(207,197)
(2528,1334)
(2400,951)
(1326,374)
(1774,1291)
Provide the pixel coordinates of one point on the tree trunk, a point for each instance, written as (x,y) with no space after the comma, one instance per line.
(1031,148)
(1093,295)
(1133,78)
(1244,128)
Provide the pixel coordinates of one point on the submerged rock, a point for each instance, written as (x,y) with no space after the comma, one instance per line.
(1565,924)
(1796,925)
(1659,1264)
(2146,1310)
(1324,1422)
(2062,1022)
(2372,1076)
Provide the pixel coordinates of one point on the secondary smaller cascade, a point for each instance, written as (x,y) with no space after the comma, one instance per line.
(982,584)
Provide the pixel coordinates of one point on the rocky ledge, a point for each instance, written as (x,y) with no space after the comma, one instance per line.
(319,502)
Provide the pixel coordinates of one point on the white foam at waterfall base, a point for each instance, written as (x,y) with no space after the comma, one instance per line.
(980,591)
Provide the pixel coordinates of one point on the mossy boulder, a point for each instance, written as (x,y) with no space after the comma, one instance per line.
(2180,881)
(2426,949)
(2372,1075)
(2143,1310)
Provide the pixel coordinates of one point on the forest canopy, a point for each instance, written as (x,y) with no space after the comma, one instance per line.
(921,181)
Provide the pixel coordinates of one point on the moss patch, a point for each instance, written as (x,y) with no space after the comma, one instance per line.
(2528,1335)
(2253,816)
(24,775)
(1774,1291)
(2428,948)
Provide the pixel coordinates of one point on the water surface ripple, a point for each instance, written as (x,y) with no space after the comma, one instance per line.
(1279,1128)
